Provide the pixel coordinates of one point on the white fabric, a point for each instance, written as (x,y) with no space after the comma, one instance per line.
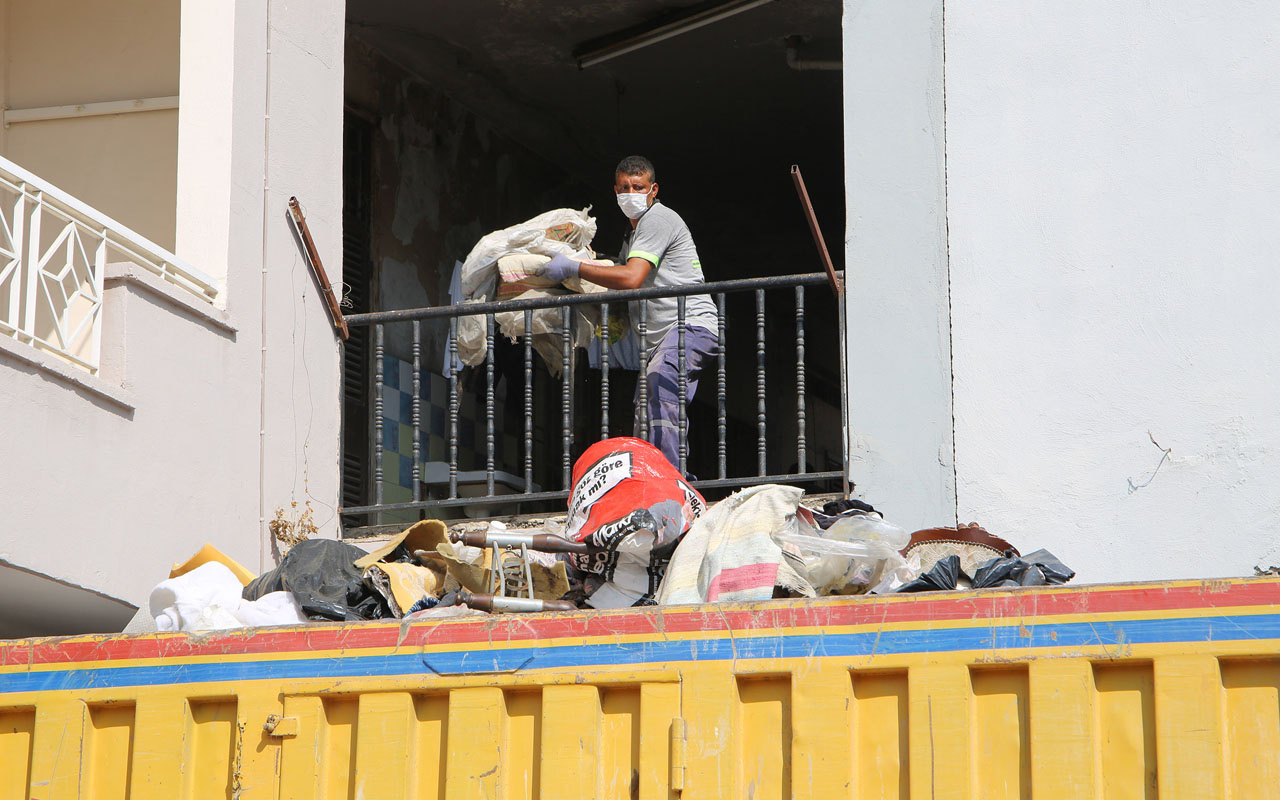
(730,554)
(208,598)
(473,345)
(480,270)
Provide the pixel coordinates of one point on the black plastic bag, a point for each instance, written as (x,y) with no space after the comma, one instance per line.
(837,507)
(321,575)
(1040,568)
(942,575)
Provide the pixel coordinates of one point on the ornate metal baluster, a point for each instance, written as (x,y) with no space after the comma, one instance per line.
(642,404)
(417,411)
(682,383)
(528,401)
(566,397)
(488,405)
(800,387)
(721,395)
(377,417)
(453,407)
(760,405)
(604,371)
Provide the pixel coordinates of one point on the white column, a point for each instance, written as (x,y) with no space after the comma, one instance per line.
(900,423)
(206,117)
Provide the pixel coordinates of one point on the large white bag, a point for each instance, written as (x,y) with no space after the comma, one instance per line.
(562,231)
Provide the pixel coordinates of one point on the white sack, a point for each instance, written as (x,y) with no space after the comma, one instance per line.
(730,553)
(480,269)
(208,598)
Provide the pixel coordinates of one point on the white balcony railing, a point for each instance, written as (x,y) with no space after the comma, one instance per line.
(54,251)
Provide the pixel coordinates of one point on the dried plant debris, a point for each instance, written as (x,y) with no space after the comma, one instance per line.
(292,527)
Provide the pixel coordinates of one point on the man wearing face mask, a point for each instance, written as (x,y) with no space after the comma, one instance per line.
(658,252)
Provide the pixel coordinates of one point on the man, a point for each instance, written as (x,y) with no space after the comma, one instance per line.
(658,252)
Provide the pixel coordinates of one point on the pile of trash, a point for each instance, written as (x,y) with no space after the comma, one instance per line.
(417,574)
(637,533)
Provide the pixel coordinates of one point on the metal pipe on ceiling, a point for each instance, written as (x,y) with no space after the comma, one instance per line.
(796,62)
(601,50)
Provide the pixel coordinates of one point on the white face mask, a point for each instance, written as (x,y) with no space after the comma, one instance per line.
(633,204)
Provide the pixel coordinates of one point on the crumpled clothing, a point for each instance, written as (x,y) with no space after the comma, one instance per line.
(840,509)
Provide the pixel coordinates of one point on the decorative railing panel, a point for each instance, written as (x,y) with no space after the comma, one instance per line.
(54,251)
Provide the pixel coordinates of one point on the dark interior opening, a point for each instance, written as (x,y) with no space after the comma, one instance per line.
(477,116)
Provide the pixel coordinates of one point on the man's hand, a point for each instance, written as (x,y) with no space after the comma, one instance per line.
(560,268)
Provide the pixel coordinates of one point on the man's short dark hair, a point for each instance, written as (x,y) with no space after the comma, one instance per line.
(637,165)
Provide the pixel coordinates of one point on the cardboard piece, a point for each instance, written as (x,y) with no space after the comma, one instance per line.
(210,553)
(424,535)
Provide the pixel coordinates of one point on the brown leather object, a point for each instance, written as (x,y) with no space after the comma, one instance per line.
(973,533)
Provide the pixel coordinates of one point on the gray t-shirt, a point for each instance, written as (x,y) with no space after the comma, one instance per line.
(662,239)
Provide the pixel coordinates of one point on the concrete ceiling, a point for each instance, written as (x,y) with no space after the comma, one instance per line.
(723,88)
(714,108)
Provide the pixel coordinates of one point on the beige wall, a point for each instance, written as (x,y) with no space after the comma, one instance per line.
(66,52)
(220,415)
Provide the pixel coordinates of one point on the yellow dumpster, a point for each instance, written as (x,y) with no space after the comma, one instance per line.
(1165,690)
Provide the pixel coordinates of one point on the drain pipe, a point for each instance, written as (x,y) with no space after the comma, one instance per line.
(796,62)
(264,535)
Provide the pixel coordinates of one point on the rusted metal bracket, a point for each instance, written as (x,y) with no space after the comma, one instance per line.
(313,258)
(837,285)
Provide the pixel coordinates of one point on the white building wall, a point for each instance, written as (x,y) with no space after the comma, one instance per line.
(1112,174)
(896,261)
(181,440)
(301,403)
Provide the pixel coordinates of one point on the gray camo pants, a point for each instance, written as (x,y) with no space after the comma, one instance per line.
(664,385)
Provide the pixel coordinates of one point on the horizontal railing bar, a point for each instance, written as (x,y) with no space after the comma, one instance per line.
(499,306)
(453,502)
(47,346)
(754,480)
(118,235)
(534,497)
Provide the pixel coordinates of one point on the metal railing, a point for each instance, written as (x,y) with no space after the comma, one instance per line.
(754,288)
(54,250)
